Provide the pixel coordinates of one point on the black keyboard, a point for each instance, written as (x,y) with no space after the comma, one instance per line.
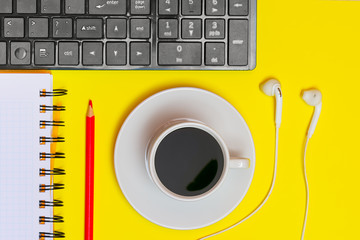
(128,34)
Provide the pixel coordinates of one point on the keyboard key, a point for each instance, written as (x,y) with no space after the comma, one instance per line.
(214,28)
(214,54)
(215,7)
(50,6)
(74,6)
(179,53)
(168,7)
(168,28)
(115,53)
(92,53)
(13,27)
(44,53)
(26,6)
(6,6)
(191,7)
(140,53)
(3,55)
(69,53)
(89,28)
(116,28)
(238,7)
(140,7)
(140,28)
(238,42)
(20,53)
(107,7)
(38,27)
(191,29)
(62,28)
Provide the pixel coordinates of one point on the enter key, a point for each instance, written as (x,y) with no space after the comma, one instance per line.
(238,42)
(107,7)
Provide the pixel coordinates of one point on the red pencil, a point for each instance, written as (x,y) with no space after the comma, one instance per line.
(89,185)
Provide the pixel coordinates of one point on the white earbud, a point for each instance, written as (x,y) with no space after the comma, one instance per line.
(272,88)
(313,98)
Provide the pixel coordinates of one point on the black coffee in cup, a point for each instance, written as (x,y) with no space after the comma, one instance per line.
(189,161)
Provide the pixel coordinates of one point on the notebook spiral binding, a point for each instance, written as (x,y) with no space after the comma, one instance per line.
(55,234)
(53,108)
(53,93)
(43,156)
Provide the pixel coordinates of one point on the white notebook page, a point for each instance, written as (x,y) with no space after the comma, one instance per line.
(19,155)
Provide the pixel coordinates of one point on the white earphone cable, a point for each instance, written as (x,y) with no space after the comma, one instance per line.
(263,201)
(307,190)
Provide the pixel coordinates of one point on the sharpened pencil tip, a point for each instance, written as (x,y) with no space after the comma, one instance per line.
(90,111)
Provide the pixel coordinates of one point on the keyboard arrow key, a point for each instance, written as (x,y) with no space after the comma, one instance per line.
(92,53)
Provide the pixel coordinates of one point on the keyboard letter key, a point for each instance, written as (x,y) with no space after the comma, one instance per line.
(6,6)
(38,27)
(26,6)
(13,27)
(74,6)
(50,6)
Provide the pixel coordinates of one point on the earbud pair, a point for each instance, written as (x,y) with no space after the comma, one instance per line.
(312,97)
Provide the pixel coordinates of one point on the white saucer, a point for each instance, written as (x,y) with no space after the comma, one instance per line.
(129,159)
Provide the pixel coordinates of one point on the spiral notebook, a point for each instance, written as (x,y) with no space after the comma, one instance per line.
(26,183)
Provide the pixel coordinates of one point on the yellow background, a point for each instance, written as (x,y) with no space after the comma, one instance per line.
(303,44)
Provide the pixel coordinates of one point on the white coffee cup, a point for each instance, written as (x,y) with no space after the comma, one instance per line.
(170,127)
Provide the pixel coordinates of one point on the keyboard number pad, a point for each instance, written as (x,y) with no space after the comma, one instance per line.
(191,29)
(214,54)
(238,7)
(215,28)
(168,7)
(180,53)
(168,28)
(215,7)
(191,7)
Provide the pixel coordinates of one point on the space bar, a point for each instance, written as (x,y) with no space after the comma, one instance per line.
(179,54)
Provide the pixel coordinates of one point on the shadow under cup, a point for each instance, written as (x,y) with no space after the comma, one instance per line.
(189,162)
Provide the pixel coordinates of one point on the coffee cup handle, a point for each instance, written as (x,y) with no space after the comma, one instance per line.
(239,163)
